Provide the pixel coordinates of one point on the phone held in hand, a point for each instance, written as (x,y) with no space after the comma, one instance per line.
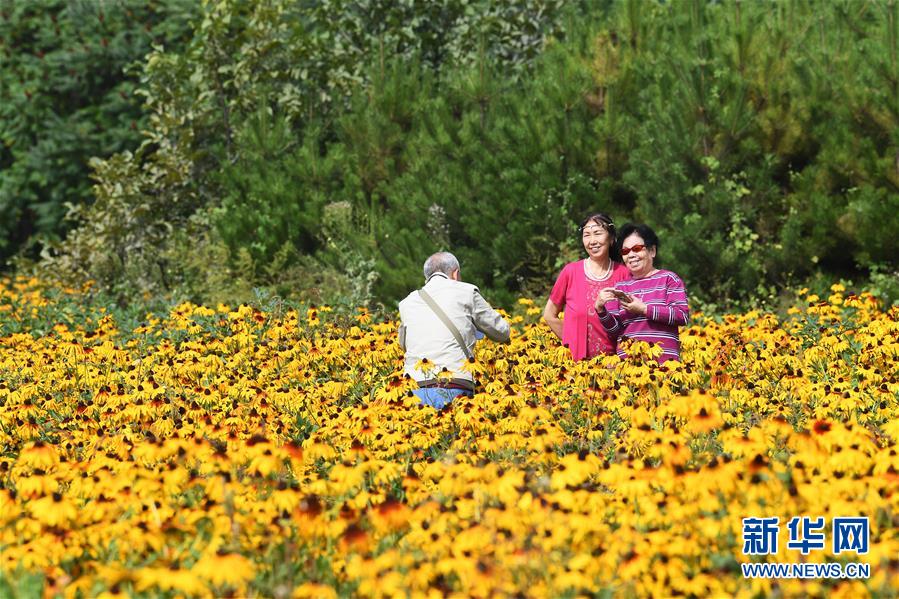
(622,296)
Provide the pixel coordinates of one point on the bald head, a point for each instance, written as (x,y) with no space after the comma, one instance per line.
(441,262)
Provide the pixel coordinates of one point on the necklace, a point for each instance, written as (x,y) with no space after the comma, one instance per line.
(603,276)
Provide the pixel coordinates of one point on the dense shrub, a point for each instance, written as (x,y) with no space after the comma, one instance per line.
(67,93)
(760,141)
(310,64)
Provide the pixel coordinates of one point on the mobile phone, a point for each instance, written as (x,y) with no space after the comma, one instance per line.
(622,296)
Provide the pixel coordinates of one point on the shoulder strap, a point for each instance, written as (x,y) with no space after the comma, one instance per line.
(445,320)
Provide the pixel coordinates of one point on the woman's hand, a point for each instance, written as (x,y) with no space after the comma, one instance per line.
(605,295)
(634,306)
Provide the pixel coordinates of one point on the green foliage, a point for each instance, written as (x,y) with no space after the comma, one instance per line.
(324,153)
(206,148)
(884,284)
(740,131)
(397,177)
(508,166)
(65,96)
(21,584)
(264,203)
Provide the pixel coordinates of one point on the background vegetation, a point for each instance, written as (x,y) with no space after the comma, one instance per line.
(68,91)
(321,150)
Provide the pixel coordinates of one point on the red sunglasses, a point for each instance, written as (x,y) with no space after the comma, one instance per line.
(634,248)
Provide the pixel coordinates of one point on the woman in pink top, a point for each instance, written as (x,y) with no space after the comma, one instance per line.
(579,285)
(650,306)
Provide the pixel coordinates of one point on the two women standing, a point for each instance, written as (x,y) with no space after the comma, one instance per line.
(606,302)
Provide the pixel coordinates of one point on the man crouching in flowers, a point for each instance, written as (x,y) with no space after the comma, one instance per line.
(441,322)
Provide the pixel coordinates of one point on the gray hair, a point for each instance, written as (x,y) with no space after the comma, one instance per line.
(441,262)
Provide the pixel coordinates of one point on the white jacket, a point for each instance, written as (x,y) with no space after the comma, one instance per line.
(423,335)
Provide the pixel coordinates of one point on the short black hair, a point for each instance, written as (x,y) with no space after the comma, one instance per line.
(650,239)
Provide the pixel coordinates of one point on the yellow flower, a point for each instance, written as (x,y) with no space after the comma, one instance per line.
(425,366)
(355,539)
(473,366)
(169,579)
(210,431)
(314,590)
(37,485)
(229,569)
(575,469)
(53,510)
(9,508)
(391,515)
(39,455)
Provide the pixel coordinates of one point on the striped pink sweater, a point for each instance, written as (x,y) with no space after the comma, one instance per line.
(666,310)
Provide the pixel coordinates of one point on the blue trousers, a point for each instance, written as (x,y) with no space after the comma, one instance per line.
(437,397)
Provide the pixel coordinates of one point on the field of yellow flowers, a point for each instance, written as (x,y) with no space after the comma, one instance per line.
(235,451)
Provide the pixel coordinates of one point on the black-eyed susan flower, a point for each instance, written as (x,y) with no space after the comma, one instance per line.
(267,436)
(53,510)
(224,569)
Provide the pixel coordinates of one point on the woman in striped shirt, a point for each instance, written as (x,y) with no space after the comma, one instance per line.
(652,304)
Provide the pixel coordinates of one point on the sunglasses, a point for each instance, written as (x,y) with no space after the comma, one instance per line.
(634,248)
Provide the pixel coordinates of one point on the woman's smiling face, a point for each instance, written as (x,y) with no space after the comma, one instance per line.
(596,240)
(637,256)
